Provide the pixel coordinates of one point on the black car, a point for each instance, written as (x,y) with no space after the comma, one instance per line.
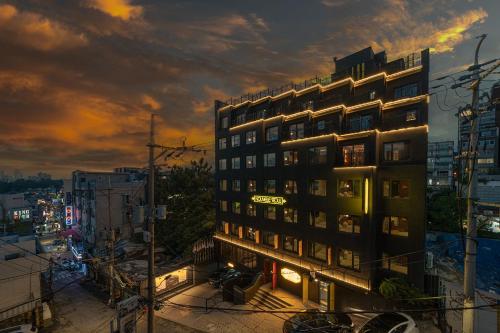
(216,278)
(318,322)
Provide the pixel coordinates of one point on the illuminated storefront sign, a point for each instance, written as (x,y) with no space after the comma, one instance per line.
(21,214)
(290,275)
(367,188)
(69,215)
(265,199)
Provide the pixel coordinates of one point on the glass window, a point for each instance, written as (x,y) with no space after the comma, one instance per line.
(251,210)
(354,155)
(409,90)
(290,244)
(400,189)
(396,151)
(251,137)
(223,184)
(270,212)
(240,119)
(321,125)
(372,95)
(348,259)
(223,205)
(235,140)
(386,189)
(251,161)
(236,207)
(396,263)
(349,223)
(235,163)
(358,122)
(296,131)
(411,115)
(317,251)
(290,157)
(250,233)
(251,185)
(224,122)
(317,219)
(349,188)
(290,187)
(234,230)
(317,187)
(222,143)
(290,215)
(236,185)
(268,238)
(272,134)
(366,122)
(222,164)
(317,155)
(270,186)
(270,160)
(395,225)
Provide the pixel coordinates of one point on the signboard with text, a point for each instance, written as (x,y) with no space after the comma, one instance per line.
(69,215)
(266,199)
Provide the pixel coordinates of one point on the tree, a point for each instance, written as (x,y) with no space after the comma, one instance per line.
(402,293)
(189,195)
(442,210)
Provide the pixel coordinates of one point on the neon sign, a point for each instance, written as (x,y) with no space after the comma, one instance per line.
(69,215)
(265,199)
(290,275)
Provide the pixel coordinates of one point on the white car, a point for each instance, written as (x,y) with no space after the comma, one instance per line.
(20,329)
(393,322)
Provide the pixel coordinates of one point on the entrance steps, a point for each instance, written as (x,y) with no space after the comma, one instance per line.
(267,300)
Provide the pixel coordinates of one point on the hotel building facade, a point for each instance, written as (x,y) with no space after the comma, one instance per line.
(321,185)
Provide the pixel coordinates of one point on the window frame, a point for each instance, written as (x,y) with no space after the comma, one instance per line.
(294,157)
(313,219)
(267,159)
(268,130)
(355,185)
(355,225)
(235,141)
(315,156)
(311,186)
(253,135)
(391,144)
(233,164)
(254,161)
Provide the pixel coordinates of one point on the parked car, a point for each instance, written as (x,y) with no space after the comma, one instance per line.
(20,329)
(318,322)
(394,322)
(215,279)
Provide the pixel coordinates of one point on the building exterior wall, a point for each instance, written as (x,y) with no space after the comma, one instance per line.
(440,165)
(363,107)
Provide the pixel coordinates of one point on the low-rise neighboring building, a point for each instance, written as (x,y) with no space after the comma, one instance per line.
(440,164)
(105,201)
(14,208)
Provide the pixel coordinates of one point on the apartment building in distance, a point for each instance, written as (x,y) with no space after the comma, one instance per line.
(441,165)
(321,185)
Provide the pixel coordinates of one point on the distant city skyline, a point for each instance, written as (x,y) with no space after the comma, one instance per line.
(77,87)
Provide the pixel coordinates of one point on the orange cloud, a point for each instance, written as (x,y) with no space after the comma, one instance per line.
(117,8)
(35,31)
(152,103)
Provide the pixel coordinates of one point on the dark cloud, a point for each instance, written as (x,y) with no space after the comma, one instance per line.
(79,78)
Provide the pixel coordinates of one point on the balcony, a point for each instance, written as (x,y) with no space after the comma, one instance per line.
(337,274)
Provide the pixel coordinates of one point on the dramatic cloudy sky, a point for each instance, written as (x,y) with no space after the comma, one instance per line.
(78,78)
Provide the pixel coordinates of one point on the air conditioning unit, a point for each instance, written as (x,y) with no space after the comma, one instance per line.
(429,260)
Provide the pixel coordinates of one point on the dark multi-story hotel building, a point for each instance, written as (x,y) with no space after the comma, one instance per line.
(321,185)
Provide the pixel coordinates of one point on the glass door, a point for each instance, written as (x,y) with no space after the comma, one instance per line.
(323,296)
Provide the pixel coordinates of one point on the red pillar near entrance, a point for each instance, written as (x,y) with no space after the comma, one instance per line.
(275,275)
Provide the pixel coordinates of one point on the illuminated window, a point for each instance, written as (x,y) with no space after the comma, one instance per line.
(251,210)
(296,131)
(251,137)
(223,205)
(411,115)
(234,230)
(222,164)
(409,90)
(354,155)
(270,212)
(321,125)
(396,263)
(349,223)
(224,122)
(290,187)
(317,155)
(317,187)
(396,189)
(222,143)
(396,151)
(290,215)
(236,185)
(360,122)
(270,186)
(235,140)
(317,251)
(235,163)
(272,134)
(395,226)
(236,207)
(251,161)
(348,259)
(268,238)
(290,157)
(317,219)
(372,95)
(250,233)
(251,185)
(349,188)
(270,160)
(223,184)
(291,244)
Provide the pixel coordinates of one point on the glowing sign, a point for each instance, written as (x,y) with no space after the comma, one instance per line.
(265,199)
(290,275)
(21,214)
(366,195)
(69,215)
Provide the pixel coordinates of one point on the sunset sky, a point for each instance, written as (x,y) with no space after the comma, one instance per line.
(79,78)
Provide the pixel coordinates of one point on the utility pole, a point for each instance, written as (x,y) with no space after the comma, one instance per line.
(111,248)
(151,236)
(471,239)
